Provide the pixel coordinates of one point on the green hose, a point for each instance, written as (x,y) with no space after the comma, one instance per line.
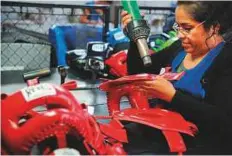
(132,8)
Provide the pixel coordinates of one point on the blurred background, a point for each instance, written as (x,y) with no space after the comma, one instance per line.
(29,29)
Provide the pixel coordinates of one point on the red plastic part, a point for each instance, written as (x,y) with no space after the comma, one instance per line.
(125,86)
(170,123)
(117,64)
(70,85)
(64,115)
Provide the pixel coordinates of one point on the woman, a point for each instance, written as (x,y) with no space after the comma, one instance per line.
(204,94)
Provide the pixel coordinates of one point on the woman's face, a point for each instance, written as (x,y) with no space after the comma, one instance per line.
(193,41)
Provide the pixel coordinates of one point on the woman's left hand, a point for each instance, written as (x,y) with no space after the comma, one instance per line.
(159,88)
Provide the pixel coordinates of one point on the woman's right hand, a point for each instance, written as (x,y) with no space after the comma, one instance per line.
(126,18)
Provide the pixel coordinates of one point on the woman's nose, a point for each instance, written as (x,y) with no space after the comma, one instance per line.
(180,35)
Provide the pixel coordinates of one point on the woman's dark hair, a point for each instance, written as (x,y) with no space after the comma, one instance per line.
(213,12)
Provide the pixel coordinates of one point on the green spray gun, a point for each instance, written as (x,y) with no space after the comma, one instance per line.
(137,30)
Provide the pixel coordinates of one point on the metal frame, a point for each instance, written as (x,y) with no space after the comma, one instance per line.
(105,8)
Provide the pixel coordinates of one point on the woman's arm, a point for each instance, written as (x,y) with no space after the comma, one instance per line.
(216,109)
(201,110)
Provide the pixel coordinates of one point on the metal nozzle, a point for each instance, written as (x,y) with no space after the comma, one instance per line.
(143,51)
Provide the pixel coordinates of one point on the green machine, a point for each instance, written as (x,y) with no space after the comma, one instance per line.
(161,41)
(137,30)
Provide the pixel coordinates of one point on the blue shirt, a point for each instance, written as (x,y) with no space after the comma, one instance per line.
(191,81)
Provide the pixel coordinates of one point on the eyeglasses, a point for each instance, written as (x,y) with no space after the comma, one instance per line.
(185,31)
